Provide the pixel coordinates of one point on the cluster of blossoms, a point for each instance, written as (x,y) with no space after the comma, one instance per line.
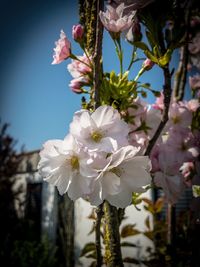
(175,156)
(102,157)
(95,160)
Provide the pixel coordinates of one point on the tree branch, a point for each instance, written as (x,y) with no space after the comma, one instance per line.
(98,55)
(167,97)
(113,255)
(99,212)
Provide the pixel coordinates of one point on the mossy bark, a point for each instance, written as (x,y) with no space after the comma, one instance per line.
(113,255)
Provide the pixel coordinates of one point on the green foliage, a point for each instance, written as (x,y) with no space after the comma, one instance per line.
(89,250)
(117,90)
(31,254)
(129,230)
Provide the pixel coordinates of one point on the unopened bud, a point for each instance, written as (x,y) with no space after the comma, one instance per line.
(76,86)
(148,64)
(77,33)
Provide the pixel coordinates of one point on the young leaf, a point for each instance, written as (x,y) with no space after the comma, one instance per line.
(128,244)
(129,230)
(89,247)
(159,205)
(147,223)
(131,260)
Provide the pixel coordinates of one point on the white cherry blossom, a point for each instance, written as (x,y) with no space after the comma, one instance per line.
(124,173)
(62,164)
(103,130)
(114,19)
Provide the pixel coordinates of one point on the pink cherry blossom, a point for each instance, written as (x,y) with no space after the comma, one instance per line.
(114,19)
(77,32)
(194,45)
(154,156)
(183,144)
(192,105)
(194,82)
(172,186)
(132,4)
(62,50)
(179,115)
(80,68)
(159,104)
(76,85)
(139,139)
(186,169)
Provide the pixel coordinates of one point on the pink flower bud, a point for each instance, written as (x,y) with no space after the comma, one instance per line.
(77,32)
(62,50)
(76,85)
(148,64)
(194,82)
(134,34)
(187,170)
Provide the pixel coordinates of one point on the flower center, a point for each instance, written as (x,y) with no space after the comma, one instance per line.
(176,120)
(74,162)
(96,137)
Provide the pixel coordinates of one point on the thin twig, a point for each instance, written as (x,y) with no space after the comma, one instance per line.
(167,97)
(97,79)
(181,74)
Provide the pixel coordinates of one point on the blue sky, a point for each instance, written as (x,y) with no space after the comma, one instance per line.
(35,98)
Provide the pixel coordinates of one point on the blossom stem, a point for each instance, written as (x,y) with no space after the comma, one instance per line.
(119,51)
(87,55)
(72,56)
(132,58)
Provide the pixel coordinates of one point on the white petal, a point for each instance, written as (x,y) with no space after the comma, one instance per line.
(96,195)
(63,183)
(105,115)
(121,200)
(79,187)
(136,172)
(124,153)
(110,183)
(49,147)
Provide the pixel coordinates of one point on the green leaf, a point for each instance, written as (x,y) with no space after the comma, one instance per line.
(141,45)
(164,60)
(151,56)
(89,247)
(149,234)
(159,204)
(131,260)
(151,39)
(93,264)
(91,255)
(129,230)
(147,223)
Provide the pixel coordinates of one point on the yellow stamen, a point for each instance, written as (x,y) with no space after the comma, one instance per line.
(74,163)
(96,137)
